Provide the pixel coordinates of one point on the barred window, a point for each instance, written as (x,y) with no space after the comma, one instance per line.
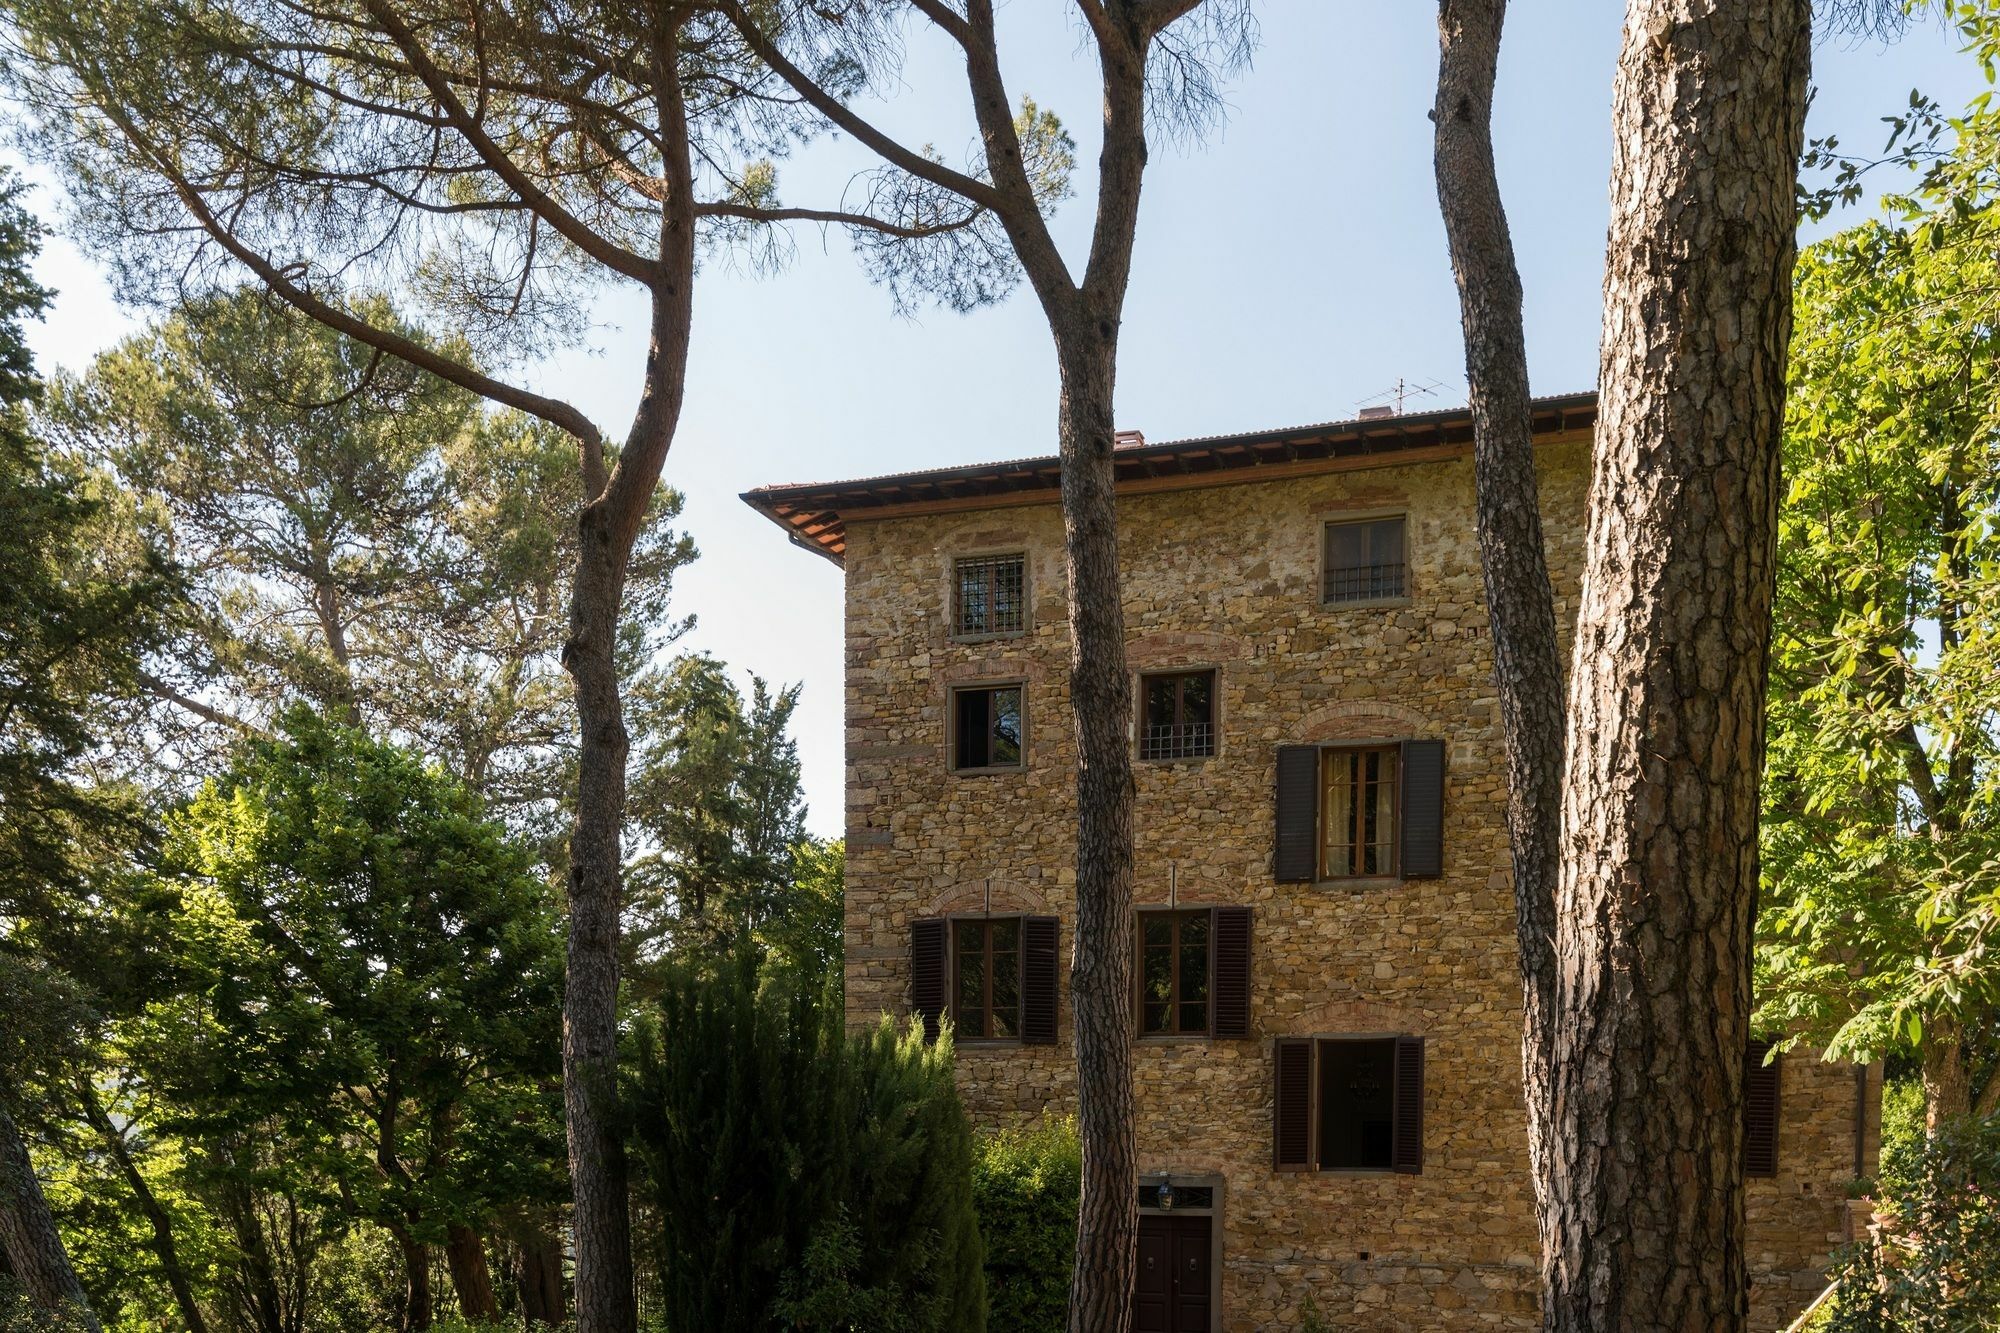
(1364,561)
(990,593)
(1179,721)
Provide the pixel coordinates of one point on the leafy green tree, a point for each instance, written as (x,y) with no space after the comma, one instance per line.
(1881,829)
(800,1175)
(500,164)
(716,798)
(369,979)
(361,535)
(80,600)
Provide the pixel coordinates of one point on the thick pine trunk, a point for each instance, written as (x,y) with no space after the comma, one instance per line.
(1527,664)
(1665,726)
(1101,961)
(465,1254)
(34,1248)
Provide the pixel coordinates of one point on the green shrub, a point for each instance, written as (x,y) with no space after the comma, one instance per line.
(799,1175)
(1937,1269)
(1025,1184)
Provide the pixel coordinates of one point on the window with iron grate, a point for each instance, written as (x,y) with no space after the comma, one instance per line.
(1364,561)
(1179,720)
(990,595)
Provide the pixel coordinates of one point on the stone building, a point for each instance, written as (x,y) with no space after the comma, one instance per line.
(1329,1089)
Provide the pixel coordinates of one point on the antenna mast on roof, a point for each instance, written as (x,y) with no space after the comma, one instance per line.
(1393,399)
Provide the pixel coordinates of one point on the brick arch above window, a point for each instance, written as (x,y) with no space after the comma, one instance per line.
(970,895)
(1363,719)
(994,666)
(1354,1016)
(1172,648)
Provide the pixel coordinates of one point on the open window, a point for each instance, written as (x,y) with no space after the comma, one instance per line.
(1349,1104)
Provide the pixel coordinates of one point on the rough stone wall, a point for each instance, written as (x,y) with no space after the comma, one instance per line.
(1227,577)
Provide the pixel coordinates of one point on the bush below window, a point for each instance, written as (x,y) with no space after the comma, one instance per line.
(1025,1184)
(802,1177)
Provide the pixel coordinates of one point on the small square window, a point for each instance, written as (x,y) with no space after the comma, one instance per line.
(1364,561)
(990,595)
(986,727)
(1179,721)
(1358,812)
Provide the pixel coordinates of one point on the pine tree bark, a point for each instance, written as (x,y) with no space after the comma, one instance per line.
(1527,662)
(1101,959)
(28,1232)
(1664,750)
(471,1279)
(610,525)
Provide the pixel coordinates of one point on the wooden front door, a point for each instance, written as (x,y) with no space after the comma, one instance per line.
(1174,1277)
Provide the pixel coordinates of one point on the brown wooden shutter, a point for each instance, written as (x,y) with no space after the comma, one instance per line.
(1297,860)
(930,966)
(1406,1151)
(1229,946)
(1422,852)
(1039,936)
(1292,1105)
(1760,1111)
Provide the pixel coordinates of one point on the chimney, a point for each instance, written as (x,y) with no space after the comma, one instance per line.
(1128,439)
(1377,412)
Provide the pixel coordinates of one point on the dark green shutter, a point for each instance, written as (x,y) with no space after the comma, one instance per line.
(1406,1151)
(1422,852)
(930,966)
(1760,1111)
(1039,970)
(1297,859)
(1291,1105)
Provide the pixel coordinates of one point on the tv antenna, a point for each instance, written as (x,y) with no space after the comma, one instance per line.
(1396,397)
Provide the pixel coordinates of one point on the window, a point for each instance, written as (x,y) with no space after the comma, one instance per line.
(1174,973)
(1363,561)
(1179,715)
(1358,812)
(1357,1105)
(986,727)
(995,976)
(1349,1104)
(986,977)
(990,595)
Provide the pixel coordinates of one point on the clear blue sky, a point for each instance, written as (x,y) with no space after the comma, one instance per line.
(1289,269)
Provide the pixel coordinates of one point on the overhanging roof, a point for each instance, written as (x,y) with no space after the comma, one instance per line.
(815,514)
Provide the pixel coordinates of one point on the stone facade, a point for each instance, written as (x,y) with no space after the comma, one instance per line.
(1226,576)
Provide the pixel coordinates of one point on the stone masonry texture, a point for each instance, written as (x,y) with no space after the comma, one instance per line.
(1228,577)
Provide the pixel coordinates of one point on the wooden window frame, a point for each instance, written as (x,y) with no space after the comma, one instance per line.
(955,595)
(984,1037)
(951,725)
(1177,914)
(1180,677)
(1323,824)
(1335,520)
(1314,1148)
